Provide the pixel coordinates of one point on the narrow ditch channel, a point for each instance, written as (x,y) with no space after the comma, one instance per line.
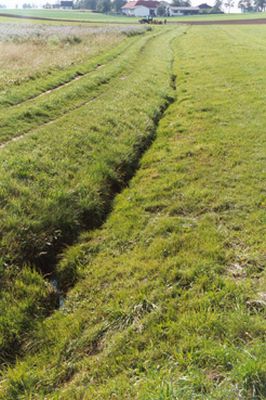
(49,273)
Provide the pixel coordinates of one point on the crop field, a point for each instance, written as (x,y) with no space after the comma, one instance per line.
(133,215)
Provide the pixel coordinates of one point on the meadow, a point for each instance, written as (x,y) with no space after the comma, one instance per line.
(50,50)
(159,258)
(68,14)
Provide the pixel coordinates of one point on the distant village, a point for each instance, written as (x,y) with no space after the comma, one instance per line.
(145,8)
(151,8)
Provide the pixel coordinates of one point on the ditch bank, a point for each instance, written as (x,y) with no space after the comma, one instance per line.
(114,156)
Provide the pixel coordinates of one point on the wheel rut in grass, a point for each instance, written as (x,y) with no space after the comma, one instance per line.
(29,90)
(60,86)
(55,103)
(20,137)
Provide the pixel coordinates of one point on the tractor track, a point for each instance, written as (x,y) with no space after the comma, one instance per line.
(122,74)
(60,86)
(27,133)
(103,61)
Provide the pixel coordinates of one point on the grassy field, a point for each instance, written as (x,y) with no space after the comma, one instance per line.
(43,94)
(36,52)
(97,17)
(71,14)
(68,170)
(169,297)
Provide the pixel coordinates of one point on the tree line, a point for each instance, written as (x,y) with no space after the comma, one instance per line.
(104,6)
(107,6)
(252,5)
(115,6)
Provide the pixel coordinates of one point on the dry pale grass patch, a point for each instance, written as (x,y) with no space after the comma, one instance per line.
(23,60)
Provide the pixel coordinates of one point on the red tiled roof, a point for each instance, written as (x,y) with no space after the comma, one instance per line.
(145,3)
(130,4)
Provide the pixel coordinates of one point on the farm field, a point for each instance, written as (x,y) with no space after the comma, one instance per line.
(162,293)
(87,16)
(70,14)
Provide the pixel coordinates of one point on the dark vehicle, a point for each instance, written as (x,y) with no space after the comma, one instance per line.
(147,20)
(150,20)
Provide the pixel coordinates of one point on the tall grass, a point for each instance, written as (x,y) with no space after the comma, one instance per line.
(70,94)
(37,54)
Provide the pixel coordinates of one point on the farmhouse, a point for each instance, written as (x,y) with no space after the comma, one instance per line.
(141,8)
(145,8)
(172,10)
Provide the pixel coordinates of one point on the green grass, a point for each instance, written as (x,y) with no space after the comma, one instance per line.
(170,302)
(215,17)
(32,110)
(34,58)
(85,16)
(61,178)
(7,19)
(97,17)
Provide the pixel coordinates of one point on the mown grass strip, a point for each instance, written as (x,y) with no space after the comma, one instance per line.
(29,115)
(172,301)
(62,178)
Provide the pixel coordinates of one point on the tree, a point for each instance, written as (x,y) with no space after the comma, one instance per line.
(229,4)
(103,6)
(245,5)
(117,5)
(88,4)
(217,5)
(161,11)
(181,3)
(260,5)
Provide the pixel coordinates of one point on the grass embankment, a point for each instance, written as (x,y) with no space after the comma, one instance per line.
(173,293)
(61,178)
(93,78)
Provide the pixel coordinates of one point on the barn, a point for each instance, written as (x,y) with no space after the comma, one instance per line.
(172,11)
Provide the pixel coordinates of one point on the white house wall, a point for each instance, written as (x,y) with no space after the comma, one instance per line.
(173,12)
(128,11)
(141,11)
